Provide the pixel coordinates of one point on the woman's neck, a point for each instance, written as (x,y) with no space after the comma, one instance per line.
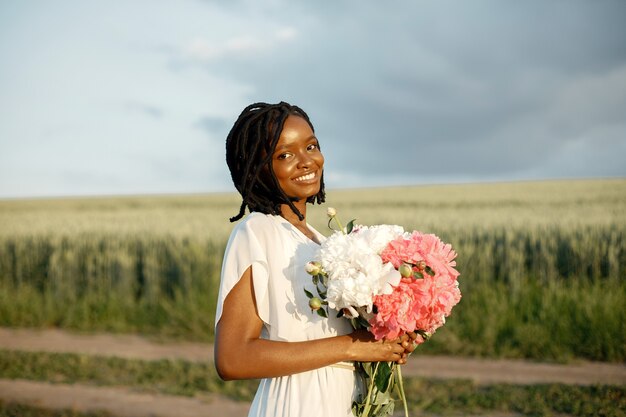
(287,213)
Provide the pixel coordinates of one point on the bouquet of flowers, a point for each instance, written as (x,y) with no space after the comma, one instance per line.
(390,282)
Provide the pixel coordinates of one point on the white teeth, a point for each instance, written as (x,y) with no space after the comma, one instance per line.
(305,177)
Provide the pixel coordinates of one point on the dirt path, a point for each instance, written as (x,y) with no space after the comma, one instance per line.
(482,371)
(127,402)
(117,401)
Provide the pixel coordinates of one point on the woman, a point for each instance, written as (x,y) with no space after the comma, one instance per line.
(264,327)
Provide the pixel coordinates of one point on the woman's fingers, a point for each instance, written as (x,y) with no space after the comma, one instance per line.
(410,348)
(412,337)
(398,349)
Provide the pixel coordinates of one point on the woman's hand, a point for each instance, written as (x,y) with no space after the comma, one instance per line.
(365,348)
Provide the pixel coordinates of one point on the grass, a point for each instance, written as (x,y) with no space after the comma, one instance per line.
(558,320)
(425,396)
(10,409)
(464,397)
(542,263)
(175,377)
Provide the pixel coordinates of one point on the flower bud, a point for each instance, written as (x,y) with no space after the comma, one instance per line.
(315,304)
(405,270)
(331,212)
(313,268)
(421,266)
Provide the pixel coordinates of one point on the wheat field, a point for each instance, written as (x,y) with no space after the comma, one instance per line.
(543,264)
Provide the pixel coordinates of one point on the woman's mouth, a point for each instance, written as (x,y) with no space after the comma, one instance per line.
(306,177)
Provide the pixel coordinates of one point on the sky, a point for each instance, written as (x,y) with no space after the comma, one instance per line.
(119,97)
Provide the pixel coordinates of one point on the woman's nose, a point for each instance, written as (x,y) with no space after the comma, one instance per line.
(304,160)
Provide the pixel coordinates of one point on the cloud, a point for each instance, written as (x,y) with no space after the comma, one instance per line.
(481,93)
(589,101)
(214,126)
(202,49)
(286,34)
(423,91)
(153,111)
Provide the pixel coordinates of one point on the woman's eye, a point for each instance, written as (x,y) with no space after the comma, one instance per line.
(312,147)
(282,156)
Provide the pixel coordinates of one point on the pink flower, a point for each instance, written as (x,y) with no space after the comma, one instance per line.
(417,247)
(417,304)
(402,250)
(398,312)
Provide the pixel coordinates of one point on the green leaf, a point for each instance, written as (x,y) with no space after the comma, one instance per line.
(369,368)
(380,399)
(321,312)
(350,226)
(383,377)
(354,323)
(362,322)
(418,275)
(339,313)
(316,279)
(386,410)
(430,271)
(308,293)
(424,335)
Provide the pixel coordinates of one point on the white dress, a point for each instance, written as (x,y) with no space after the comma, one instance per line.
(278,252)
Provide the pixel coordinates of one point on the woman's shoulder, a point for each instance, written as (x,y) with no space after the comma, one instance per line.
(255,222)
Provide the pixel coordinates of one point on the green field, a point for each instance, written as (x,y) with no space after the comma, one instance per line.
(543,264)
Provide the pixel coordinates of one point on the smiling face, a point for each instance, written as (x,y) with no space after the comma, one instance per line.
(297,161)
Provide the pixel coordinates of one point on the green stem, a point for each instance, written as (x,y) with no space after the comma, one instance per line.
(401,388)
(339,224)
(368,405)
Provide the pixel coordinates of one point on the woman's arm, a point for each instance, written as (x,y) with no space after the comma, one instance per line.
(240,353)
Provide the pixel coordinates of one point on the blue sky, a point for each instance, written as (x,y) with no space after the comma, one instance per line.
(137,97)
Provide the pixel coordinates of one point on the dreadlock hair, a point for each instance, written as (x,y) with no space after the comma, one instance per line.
(250,146)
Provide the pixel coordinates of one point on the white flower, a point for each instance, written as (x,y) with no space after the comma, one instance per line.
(331,212)
(356,272)
(379,236)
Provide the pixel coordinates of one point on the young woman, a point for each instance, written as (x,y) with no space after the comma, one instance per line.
(264,327)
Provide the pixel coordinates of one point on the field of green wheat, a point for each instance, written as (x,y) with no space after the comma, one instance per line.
(543,264)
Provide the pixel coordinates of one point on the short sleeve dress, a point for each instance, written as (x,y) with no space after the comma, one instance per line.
(278,252)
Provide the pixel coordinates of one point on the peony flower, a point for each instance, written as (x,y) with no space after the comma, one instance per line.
(331,212)
(356,272)
(417,304)
(398,312)
(378,237)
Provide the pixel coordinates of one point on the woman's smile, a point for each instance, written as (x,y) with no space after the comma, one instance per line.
(306,177)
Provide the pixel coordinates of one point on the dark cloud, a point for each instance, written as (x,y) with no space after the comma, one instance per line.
(481,90)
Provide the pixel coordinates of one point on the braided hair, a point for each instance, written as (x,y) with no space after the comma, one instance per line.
(249,148)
